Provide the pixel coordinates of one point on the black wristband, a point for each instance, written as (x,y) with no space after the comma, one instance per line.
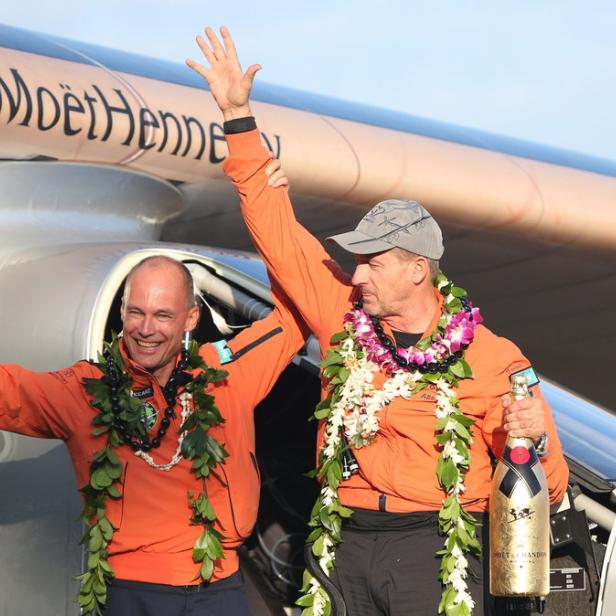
(239,125)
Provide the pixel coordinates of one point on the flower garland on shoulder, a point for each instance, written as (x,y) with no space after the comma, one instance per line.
(120,419)
(351,415)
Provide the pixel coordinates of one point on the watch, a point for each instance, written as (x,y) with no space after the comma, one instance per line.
(542,445)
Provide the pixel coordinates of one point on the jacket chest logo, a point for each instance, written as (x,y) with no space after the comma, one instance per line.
(147,392)
(428,393)
(149,415)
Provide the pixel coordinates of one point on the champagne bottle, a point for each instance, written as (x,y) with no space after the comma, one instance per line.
(519,518)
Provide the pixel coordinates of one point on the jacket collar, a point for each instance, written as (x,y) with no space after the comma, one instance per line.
(142,377)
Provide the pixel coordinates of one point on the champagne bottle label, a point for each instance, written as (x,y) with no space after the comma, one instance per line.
(520,461)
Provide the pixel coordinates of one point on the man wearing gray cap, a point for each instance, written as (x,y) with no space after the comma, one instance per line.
(414,390)
(395,223)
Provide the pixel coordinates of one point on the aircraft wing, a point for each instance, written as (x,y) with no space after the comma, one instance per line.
(529,230)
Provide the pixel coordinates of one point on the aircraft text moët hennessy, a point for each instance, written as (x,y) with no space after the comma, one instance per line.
(519,518)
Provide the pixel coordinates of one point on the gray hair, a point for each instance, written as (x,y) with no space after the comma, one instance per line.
(405,255)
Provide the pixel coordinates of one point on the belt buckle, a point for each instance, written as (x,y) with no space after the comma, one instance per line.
(191,589)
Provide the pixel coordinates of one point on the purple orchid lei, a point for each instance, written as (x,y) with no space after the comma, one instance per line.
(455,331)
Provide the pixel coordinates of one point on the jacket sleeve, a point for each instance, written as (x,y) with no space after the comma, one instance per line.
(294,258)
(554,464)
(42,404)
(261,352)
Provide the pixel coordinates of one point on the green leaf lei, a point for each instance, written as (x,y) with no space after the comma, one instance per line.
(106,469)
(453,435)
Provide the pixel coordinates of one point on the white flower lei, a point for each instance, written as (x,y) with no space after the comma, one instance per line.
(359,402)
(353,410)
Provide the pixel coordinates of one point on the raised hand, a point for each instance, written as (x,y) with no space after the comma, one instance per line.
(229,85)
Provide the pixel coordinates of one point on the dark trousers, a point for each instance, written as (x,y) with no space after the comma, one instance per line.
(223,598)
(395,572)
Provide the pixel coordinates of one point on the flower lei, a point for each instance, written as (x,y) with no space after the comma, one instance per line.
(106,469)
(351,415)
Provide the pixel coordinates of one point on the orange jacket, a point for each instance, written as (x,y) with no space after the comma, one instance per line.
(154,539)
(400,463)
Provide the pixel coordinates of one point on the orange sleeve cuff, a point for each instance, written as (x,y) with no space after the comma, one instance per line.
(244,147)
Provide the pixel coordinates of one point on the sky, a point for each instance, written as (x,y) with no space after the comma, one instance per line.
(541,70)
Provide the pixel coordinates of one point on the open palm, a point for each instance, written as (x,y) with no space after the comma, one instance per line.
(229,85)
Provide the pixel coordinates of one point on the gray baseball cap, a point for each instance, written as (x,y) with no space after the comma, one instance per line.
(394,224)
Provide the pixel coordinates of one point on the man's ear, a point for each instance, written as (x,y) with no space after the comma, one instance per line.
(192,319)
(420,269)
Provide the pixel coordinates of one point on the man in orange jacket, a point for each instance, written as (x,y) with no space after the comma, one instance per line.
(415,388)
(151,424)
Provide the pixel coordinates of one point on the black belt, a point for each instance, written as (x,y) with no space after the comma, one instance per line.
(370,520)
(233,581)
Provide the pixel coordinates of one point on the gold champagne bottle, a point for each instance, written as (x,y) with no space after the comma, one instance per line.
(519,518)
